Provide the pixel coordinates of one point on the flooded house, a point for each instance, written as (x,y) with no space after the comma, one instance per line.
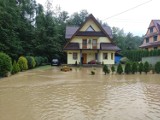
(90,43)
(152,37)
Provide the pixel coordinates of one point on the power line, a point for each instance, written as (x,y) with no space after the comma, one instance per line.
(127,10)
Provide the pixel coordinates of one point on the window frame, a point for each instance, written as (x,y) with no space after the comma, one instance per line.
(155,37)
(151,30)
(147,40)
(111,56)
(75,56)
(105,56)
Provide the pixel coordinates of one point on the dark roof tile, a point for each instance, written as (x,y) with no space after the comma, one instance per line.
(109,46)
(152,44)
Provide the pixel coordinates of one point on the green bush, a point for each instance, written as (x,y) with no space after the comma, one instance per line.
(31,62)
(134,68)
(105,69)
(119,69)
(15,68)
(5,64)
(113,68)
(124,60)
(39,60)
(127,68)
(157,67)
(146,67)
(23,63)
(140,68)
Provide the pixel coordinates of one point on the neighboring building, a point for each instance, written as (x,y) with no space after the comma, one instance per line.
(152,38)
(90,42)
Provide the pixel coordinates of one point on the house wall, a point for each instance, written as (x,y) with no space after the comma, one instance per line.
(89,46)
(90,22)
(109,60)
(70,59)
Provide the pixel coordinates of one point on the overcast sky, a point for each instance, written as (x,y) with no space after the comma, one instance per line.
(136,20)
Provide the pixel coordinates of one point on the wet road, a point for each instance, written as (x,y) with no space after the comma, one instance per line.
(49,94)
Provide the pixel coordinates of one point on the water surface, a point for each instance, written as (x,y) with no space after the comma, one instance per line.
(49,94)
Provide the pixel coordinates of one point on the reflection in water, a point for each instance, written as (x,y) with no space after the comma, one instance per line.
(77,95)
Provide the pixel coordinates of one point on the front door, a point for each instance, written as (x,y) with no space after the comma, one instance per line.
(84,56)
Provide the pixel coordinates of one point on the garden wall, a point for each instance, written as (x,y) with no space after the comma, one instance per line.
(151,60)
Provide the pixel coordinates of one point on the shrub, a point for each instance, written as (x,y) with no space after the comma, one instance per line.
(23,63)
(157,67)
(146,67)
(124,60)
(113,68)
(31,62)
(5,64)
(134,68)
(105,69)
(140,68)
(127,68)
(45,59)
(119,69)
(39,60)
(15,68)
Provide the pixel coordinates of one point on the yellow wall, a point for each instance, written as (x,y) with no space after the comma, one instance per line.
(88,23)
(109,60)
(70,57)
(89,46)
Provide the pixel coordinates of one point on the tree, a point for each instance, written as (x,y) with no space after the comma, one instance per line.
(105,69)
(113,69)
(146,67)
(140,68)
(157,67)
(134,68)
(119,69)
(127,68)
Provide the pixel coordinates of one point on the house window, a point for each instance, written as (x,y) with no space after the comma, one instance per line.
(155,38)
(151,30)
(96,56)
(155,48)
(111,56)
(94,44)
(84,43)
(105,55)
(90,29)
(74,56)
(147,40)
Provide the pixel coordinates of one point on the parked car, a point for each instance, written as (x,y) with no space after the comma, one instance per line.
(55,62)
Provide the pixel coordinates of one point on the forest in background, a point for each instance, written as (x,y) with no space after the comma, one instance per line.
(29,30)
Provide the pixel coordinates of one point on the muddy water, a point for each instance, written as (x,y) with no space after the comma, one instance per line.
(48,94)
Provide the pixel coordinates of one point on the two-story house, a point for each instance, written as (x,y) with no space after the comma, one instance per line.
(152,38)
(88,42)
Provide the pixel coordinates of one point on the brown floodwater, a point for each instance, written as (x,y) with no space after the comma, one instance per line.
(49,94)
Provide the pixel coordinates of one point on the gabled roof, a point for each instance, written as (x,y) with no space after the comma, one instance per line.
(156,23)
(72,30)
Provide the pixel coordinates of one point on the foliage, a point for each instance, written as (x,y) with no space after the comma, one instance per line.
(23,63)
(31,62)
(124,60)
(5,64)
(15,68)
(127,68)
(105,69)
(112,68)
(134,68)
(126,41)
(146,67)
(157,67)
(136,55)
(119,69)
(140,68)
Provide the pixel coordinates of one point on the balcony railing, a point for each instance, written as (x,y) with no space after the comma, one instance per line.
(89,46)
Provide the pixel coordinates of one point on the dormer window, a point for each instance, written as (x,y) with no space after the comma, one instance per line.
(147,40)
(90,29)
(151,30)
(155,38)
